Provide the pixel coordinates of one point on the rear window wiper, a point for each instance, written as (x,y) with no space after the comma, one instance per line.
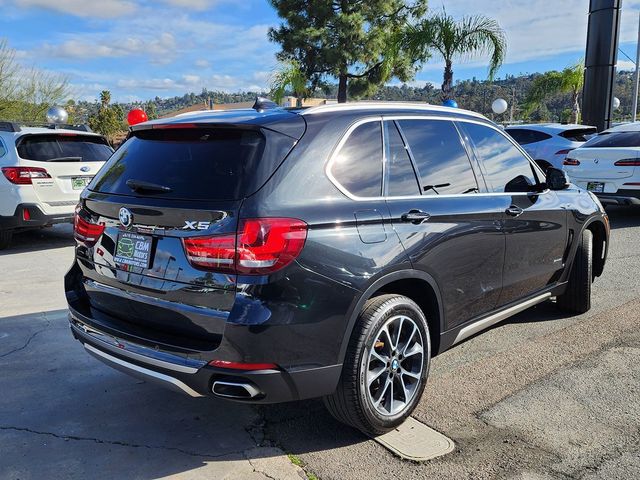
(65,159)
(142,186)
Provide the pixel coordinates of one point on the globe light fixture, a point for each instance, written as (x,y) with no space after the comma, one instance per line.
(135,116)
(57,114)
(499,106)
(615,103)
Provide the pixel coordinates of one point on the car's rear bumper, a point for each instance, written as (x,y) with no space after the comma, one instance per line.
(621,197)
(196,377)
(34,218)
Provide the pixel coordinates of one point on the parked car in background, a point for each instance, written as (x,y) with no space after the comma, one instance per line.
(270,255)
(609,165)
(549,143)
(44,169)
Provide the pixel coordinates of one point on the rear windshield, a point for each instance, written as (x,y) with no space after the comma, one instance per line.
(194,163)
(64,148)
(615,139)
(579,134)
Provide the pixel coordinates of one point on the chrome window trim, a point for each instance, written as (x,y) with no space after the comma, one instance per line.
(382,119)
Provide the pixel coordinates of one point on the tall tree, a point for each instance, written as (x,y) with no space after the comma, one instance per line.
(470,37)
(570,80)
(109,118)
(354,41)
(27,93)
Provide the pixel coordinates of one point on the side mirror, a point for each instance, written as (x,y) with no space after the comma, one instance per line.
(557,179)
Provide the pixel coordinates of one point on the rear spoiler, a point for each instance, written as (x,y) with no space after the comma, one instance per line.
(17,126)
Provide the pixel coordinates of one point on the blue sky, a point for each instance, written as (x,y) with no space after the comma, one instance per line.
(140,49)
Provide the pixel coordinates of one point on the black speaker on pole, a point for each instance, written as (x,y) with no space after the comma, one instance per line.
(600,62)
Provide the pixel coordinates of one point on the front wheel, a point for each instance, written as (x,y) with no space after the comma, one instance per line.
(577,296)
(386,366)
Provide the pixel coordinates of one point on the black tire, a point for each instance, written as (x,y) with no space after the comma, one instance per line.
(5,238)
(577,296)
(351,403)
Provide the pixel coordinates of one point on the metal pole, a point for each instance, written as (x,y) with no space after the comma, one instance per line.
(637,77)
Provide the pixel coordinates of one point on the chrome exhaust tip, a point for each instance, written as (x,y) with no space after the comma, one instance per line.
(238,390)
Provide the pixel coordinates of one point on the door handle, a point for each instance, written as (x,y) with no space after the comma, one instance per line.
(415,216)
(514,211)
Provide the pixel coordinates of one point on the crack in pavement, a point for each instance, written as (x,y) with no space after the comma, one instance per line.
(26,344)
(120,443)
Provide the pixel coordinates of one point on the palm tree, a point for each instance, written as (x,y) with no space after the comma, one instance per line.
(105,98)
(570,80)
(289,75)
(469,37)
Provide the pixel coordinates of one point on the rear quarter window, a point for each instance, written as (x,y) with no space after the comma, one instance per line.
(357,166)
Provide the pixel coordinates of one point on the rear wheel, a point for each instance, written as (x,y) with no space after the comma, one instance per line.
(385,368)
(577,296)
(5,238)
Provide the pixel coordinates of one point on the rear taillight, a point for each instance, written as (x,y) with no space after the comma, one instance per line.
(264,245)
(571,161)
(85,231)
(24,175)
(564,152)
(628,162)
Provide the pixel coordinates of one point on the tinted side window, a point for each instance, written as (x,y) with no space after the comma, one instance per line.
(508,170)
(402,178)
(524,136)
(443,165)
(2,149)
(358,164)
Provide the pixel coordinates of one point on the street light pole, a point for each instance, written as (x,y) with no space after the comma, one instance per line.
(637,76)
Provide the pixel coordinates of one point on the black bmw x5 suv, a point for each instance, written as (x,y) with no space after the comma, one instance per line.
(268,255)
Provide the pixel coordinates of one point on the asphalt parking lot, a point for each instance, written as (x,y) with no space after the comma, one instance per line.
(540,396)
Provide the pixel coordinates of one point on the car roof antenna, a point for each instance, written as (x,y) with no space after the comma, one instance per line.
(263,103)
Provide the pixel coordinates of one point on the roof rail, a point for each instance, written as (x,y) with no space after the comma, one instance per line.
(263,103)
(9,127)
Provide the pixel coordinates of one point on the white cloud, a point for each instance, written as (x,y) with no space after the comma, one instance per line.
(202,63)
(541,29)
(160,49)
(83,8)
(626,65)
(191,4)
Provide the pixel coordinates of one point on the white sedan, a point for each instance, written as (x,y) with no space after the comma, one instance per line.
(609,165)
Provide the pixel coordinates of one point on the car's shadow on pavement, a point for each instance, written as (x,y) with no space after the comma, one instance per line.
(57,236)
(624,217)
(64,411)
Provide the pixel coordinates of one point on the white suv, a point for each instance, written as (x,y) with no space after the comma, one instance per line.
(609,165)
(44,169)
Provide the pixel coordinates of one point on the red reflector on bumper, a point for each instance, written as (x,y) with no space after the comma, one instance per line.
(242,366)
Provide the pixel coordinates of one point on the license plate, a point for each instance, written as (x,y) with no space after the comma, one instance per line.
(78,183)
(133,250)
(595,187)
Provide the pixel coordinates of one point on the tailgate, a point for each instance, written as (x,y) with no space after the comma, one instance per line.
(599,163)
(156,295)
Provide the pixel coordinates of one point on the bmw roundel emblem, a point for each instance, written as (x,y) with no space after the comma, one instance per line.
(126,217)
